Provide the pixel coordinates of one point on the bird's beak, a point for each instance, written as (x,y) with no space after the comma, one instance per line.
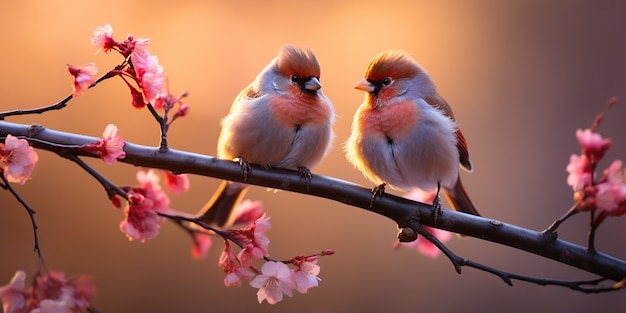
(365,85)
(312,84)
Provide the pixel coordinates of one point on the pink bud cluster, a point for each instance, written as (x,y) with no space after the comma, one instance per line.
(142,67)
(606,195)
(48,293)
(275,279)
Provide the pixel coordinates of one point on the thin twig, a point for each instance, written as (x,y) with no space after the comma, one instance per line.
(59,105)
(31,213)
(162,120)
(507,277)
(110,188)
(552,228)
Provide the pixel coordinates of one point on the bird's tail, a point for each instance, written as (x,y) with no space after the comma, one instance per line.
(459,200)
(220,210)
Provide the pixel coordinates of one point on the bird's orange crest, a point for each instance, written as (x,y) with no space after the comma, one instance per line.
(393,64)
(293,60)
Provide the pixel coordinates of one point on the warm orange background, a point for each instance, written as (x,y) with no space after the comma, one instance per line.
(521,76)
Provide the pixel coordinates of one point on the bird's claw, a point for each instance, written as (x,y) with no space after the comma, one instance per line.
(305,173)
(436,206)
(245,168)
(377,191)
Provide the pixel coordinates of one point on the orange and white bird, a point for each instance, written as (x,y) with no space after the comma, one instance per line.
(282,119)
(404,134)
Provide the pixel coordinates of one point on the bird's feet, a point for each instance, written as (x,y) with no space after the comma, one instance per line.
(245,168)
(305,173)
(436,206)
(377,191)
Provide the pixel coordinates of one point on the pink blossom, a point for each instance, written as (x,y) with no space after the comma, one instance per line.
(238,274)
(248,211)
(255,242)
(593,144)
(60,294)
(274,281)
(176,183)
(61,305)
(152,84)
(103,38)
(147,69)
(19,159)
(13,295)
(113,145)
(141,221)
(165,101)
(151,189)
(305,276)
(83,77)
(232,267)
(50,293)
(610,196)
(137,97)
(228,260)
(201,245)
(611,192)
(579,172)
(110,147)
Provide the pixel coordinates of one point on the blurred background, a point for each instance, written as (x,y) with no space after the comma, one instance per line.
(521,75)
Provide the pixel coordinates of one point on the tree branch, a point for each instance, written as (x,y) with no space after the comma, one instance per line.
(403,211)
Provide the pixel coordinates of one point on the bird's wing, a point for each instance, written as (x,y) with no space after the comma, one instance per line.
(440,103)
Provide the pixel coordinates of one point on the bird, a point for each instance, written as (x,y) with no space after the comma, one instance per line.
(280,120)
(404,134)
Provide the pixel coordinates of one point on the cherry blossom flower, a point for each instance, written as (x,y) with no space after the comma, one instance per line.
(248,211)
(113,145)
(176,183)
(232,267)
(50,293)
(238,274)
(274,281)
(579,172)
(83,77)
(611,192)
(594,146)
(103,38)
(255,242)
(151,189)
(110,147)
(13,295)
(141,221)
(18,158)
(201,245)
(147,69)
(305,276)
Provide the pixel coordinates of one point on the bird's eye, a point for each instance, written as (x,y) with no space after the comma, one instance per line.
(294,78)
(386,81)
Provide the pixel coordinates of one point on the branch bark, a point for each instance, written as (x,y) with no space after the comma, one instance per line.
(402,211)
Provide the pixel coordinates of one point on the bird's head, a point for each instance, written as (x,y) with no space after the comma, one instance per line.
(390,74)
(299,70)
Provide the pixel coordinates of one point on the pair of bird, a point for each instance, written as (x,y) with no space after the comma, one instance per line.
(403,134)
